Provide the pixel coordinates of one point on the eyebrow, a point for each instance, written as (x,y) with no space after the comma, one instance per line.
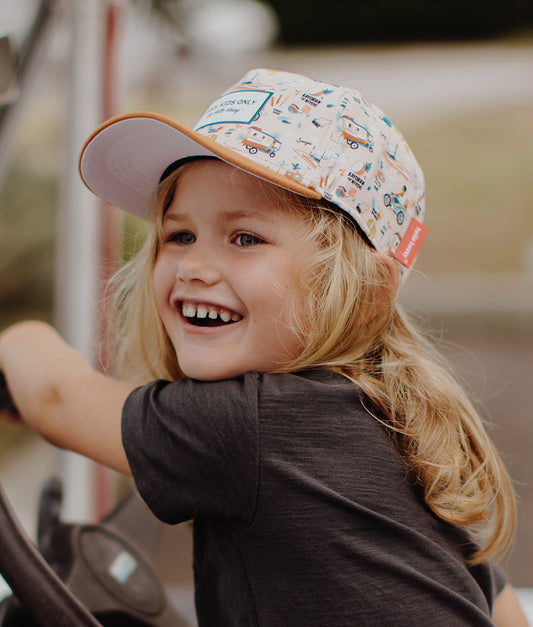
(228,215)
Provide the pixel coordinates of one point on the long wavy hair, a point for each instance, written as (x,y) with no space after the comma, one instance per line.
(351,323)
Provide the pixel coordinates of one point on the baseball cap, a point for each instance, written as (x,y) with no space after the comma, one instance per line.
(311,137)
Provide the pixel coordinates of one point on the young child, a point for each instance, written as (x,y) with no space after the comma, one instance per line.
(335,471)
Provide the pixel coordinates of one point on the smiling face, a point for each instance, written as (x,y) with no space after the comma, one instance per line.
(226,274)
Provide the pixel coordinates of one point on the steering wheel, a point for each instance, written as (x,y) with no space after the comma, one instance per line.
(82,575)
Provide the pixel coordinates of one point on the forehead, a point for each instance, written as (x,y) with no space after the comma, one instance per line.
(211,184)
(207,175)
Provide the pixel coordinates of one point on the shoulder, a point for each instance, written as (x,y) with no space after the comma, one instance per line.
(312,394)
(320,408)
(313,385)
(245,404)
(249,388)
(189,395)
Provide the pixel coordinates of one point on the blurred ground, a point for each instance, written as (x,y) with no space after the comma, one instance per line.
(485,319)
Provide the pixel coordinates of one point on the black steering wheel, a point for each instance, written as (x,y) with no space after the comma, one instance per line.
(82,575)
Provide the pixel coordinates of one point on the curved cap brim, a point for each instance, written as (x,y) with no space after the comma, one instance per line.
(123,159)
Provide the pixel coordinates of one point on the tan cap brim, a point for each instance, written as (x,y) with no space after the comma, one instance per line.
(123,159)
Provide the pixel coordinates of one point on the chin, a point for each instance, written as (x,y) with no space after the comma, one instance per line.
(201,373)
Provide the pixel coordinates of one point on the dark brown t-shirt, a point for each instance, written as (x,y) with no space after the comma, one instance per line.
(305,513)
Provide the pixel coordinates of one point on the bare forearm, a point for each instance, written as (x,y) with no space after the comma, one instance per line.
(34,359)
(507,611)
(61,396)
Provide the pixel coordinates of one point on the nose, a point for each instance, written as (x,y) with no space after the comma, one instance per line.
(198,263)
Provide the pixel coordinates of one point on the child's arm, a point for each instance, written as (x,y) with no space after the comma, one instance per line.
(507,611)
(61,396)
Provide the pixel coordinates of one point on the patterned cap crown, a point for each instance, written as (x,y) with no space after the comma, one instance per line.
(331,140)
(314,138)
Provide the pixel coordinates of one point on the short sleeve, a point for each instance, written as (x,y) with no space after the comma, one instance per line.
(193,447)
(499,579)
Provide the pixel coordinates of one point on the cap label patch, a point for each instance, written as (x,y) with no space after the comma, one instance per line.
(411,242)
(238,107)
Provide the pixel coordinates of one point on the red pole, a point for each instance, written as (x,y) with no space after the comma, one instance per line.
(109,227)
(109,237)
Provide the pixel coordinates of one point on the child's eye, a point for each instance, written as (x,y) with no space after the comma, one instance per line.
(183,238)
(247,239)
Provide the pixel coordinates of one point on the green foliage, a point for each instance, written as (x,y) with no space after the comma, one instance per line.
(27,228)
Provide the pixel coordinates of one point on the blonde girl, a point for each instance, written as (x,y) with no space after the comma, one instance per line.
(335,471)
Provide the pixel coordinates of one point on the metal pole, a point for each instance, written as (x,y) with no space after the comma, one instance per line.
(78,226)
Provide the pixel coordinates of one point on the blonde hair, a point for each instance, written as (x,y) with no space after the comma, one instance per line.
(351,323)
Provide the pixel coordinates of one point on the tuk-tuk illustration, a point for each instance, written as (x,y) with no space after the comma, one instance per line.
(397,203)
(355,134)
(257,140)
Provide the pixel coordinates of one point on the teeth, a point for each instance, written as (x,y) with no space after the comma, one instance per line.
(189,310)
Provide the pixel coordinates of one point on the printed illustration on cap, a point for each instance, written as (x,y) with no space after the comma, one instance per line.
(257,140)
(396,202)
(356,135)
(329,139)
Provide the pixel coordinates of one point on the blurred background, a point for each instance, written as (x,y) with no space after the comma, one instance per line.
(455,76)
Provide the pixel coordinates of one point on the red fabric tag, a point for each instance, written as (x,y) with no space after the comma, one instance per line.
(411,242)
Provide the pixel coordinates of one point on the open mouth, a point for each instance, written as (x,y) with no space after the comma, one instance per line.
(203,315)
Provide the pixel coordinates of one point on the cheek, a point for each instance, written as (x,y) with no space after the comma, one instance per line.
(283,293)
(161,282)
(297,286)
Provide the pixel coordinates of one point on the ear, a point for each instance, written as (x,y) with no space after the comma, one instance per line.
(392,271)
(388,289)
